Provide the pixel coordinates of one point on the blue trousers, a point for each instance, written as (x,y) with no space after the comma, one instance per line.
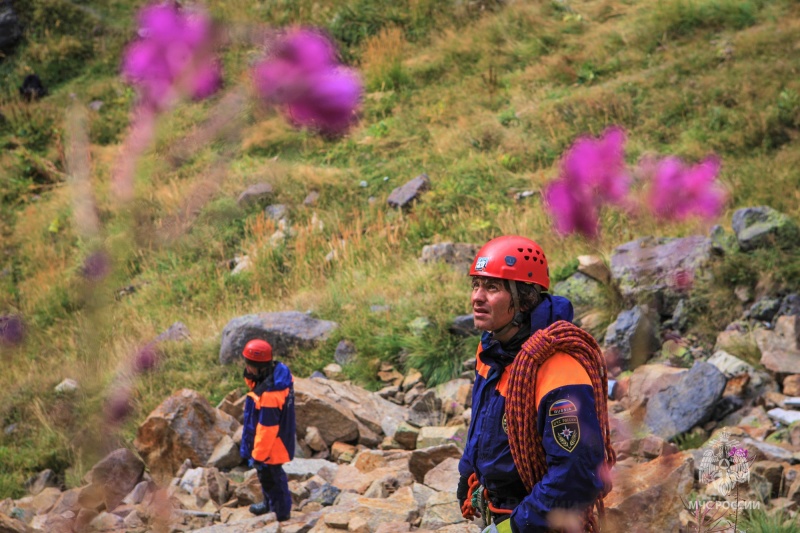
(275,487)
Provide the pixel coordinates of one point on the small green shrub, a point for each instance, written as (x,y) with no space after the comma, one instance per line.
(760,521)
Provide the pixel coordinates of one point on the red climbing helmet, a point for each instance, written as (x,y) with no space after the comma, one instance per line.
(257,351)
(513,258)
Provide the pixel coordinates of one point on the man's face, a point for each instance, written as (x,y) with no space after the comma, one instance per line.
(491,304)
(251,369)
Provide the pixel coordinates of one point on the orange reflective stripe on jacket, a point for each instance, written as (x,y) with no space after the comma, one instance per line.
(559,370)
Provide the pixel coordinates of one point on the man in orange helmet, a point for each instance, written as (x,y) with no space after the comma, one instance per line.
(268,435)
(538,447)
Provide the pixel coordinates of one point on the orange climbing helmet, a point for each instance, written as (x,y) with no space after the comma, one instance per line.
(257,351)
(512,258)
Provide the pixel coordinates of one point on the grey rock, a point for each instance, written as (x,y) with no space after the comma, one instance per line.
(583,291)
(283,330)
(324,495)
(758,227)
(311,199)
(634,336)
(176,332)
(784,416)
(790,306)
(95,105)
(764,309)
(10,27)
(402,196)
(680,317)
(426,410)
(276,211)
(464,326)
(254,194)
(345,352)
(458,255)
(780,348)
(662,268)
(379,308)
(318,374)
(67,386)
(42,480)
(685,404)
(302,469)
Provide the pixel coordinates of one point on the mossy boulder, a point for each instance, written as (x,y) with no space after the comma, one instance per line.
(759,227)
(584,292)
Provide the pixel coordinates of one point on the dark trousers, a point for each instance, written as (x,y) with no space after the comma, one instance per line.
(275,487)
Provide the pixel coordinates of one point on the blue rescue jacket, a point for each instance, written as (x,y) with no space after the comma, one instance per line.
(268,435)
(567,422)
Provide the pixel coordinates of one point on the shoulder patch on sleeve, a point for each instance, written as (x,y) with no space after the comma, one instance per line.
(566,431)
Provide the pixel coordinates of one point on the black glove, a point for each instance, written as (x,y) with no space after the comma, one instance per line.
(462,492)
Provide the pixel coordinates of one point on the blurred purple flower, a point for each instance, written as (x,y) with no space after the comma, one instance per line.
(304,77)
(678,192)
(12,329)
(119,406)
(96,266)
(171,56)
(597,166)
(593,173)
(145,359)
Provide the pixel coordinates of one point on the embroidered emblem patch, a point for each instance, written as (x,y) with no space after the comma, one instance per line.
(567,432)
(481,263)
(505,424)
(562,407)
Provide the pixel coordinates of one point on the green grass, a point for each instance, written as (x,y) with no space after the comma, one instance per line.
(762,522)
(484,99)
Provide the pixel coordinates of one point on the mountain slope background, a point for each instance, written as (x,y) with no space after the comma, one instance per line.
(481,96)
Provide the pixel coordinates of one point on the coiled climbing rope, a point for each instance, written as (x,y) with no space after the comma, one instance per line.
(524,439)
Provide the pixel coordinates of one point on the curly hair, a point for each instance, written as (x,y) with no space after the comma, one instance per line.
(530,294)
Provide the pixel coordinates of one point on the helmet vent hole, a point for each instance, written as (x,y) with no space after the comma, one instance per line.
(519,250)
(530,250)
(530,274)
(538,252)
(527,258)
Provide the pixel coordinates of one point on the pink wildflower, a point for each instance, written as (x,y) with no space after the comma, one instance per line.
(305,78)
(171,56)
(593,173)
(678,192)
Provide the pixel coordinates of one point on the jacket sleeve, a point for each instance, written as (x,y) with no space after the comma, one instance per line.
(269,415)
(574,453)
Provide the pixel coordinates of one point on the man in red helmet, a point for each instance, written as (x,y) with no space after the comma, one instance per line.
(268,435)
(510,304)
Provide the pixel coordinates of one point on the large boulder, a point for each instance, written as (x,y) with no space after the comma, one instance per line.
(343,411)
(663,268)
(459,255)
(10,27)
(184,426)
(112,479)
(759,227)
(254,195)
(686,403)
(283,330)
(780,349)
(633,337)
(583,291)
(647,497)
(647,380)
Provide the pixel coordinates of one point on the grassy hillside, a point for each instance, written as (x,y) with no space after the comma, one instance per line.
(483,96)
